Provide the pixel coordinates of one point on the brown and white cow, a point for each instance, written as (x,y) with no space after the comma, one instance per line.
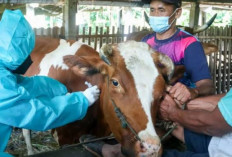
(131,74)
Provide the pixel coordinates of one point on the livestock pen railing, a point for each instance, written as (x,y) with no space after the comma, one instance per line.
(94,37)
(219,62)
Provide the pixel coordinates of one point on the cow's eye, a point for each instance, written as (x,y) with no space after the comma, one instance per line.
(115,83)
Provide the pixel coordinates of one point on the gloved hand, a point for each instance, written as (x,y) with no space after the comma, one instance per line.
(91,93)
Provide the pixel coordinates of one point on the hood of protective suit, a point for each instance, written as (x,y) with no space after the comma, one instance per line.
(17,39)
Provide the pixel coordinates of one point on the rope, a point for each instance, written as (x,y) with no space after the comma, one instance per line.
(123,120)
(85,142)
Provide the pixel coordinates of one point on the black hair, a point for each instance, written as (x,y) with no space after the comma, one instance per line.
(146,1)
(177,5)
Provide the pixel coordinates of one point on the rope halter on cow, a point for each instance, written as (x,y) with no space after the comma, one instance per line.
(124,123)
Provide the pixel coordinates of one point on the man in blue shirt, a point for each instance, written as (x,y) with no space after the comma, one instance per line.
(182,47)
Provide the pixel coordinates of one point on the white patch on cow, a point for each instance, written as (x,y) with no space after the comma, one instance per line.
(55,58)
(138,60)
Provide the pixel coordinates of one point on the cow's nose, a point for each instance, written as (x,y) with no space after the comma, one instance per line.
(149,148)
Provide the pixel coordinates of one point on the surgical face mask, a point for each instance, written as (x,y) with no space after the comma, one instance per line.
(24,66)
(160,24)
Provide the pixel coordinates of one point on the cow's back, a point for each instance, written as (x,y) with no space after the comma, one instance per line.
(93,123)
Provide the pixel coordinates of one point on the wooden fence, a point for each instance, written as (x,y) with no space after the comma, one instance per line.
(219,62)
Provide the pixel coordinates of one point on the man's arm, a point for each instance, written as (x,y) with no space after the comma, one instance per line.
(208,103)
(196,67)
(183,94)
(202,121)
(204,87)
(210,123)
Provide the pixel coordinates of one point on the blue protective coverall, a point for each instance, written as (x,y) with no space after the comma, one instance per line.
(36,103)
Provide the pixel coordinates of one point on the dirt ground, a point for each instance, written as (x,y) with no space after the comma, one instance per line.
(44,146)
(41,142)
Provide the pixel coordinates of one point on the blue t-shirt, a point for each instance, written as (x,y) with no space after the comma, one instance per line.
(225,107)
(221,145)
(184,49)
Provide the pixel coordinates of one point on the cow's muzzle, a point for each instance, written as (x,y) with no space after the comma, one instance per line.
(148,148)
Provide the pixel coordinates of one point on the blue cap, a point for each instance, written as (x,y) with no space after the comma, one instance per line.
(17,39)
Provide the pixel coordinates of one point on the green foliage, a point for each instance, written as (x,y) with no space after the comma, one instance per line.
(105,16)
(184,19)
(223,17)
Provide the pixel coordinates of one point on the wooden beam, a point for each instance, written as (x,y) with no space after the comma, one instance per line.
(22,7)
(131,3)
(125,3)
(70,10)
(137,3)
(194,14)
(215,1)
(30,1)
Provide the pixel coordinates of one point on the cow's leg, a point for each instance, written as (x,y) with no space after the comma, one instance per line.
(27,137)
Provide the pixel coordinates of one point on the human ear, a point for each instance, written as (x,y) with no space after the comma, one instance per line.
(178,13)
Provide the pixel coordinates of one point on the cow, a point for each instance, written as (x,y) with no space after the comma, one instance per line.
(131,77)
(208,47)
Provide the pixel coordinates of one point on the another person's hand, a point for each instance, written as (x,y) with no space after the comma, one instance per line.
(181,93)
(168,107)
(91,93)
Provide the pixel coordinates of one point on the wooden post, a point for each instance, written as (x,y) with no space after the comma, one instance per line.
(70,10)
(120,18)
(203,17)
(194,14)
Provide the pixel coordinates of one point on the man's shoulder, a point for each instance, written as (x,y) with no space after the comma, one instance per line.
(187,38)
(148,36)
(185,34)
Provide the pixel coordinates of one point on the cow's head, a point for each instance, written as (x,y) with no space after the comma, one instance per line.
(134,79)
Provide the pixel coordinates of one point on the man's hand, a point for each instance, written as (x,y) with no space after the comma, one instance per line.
(168,107)
(181,93)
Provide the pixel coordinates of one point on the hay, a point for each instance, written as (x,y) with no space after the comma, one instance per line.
(41,142)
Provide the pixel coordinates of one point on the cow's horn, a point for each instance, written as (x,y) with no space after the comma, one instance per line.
(205,26)
(105,51)
(146,17)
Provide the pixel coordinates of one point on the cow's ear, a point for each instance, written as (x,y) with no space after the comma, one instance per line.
(164,65)
(209,48)
(178,73)
(86,65)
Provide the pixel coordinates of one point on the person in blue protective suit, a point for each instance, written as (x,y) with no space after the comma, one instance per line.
(36,103)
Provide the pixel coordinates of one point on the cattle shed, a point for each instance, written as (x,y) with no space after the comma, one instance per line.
(219,62)
(69,8)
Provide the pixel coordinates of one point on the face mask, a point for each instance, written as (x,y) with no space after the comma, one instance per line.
(24,66)
(160,24)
